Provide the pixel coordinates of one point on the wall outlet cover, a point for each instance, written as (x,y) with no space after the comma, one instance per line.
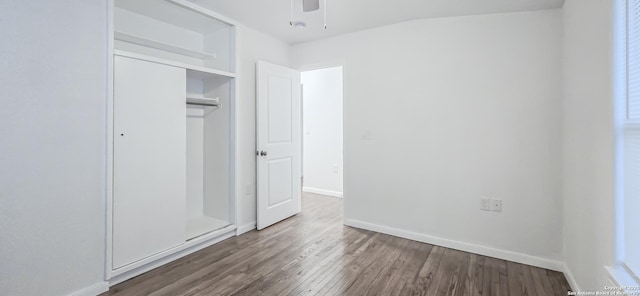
(496,205)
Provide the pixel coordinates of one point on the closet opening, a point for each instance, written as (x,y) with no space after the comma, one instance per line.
(322,133)
(208,164)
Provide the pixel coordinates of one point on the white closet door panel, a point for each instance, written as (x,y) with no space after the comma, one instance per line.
(149,191)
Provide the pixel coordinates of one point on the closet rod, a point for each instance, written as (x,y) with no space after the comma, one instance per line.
(203,101)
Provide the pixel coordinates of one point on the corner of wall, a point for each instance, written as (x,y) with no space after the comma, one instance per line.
(569,275)
(246,228)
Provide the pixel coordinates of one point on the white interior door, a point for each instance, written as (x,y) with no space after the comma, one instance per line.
(149,179)
(279,143)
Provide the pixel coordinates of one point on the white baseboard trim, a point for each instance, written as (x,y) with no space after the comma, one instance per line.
(94,290)
(322,191)
(462,246)
(246,228)
(572,281)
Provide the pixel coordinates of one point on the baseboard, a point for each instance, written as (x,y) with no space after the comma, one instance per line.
(462,246)
(569,276)
(246,228)
(322,191)
(94,290)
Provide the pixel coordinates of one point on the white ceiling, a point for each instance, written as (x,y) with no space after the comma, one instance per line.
(344,16)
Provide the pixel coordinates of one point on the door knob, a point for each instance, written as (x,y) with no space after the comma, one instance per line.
(263,153)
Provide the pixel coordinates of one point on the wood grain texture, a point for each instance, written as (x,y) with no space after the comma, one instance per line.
(312,253)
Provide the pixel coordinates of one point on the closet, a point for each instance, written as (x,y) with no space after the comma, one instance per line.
(172,153)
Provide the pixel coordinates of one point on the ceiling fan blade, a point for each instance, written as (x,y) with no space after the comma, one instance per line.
(310,5)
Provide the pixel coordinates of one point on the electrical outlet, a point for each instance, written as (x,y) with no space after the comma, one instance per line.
(496,205)
(485,204)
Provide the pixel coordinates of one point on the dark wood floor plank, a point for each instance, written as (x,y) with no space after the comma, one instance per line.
(254,261)
(516,279)
(285,275)
(495,277)
(443,273)
(426,276)
(448,273)
(258,267)
(503,286)
(313,274)
(562,285)
(385,283)
(326,276)
(254,275)
(357,265)
(312,253)
(543,280)
(416,256)
(537,281)
(488,277)
(529,283)
(377,275)
(474,275)
(460,282)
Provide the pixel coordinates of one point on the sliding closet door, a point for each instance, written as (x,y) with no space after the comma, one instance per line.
(149,190)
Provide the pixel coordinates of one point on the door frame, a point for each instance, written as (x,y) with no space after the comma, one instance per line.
(325,65)
(108,190)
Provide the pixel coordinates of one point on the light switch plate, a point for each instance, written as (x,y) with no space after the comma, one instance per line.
(485,204)
(366,135)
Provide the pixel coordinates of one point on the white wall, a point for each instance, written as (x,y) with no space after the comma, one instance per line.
(253,46)
(589,232)
(53,57)
(456,108)
(459,108)
(322,131)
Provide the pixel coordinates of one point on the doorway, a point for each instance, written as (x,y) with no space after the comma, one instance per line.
(322,132)
(287,145)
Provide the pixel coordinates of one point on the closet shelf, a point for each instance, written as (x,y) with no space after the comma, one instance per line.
(193,71)
(194,100)
(135,39)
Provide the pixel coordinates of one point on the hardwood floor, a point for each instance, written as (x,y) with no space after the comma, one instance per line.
(314,254)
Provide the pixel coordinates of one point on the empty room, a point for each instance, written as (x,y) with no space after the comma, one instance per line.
(319,147)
